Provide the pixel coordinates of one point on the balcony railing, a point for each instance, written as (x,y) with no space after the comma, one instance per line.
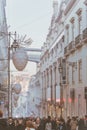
(85,35)
(71,46)
(66,51)
(78,41)
(3,89)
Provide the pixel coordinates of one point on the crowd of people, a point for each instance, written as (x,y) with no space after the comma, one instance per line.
(31,123)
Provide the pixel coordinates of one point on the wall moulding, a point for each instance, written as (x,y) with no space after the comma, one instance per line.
(69,6)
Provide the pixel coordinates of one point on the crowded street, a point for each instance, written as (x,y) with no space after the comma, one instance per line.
(43,65)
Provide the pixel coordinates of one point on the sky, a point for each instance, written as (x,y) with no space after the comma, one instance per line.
(30,17)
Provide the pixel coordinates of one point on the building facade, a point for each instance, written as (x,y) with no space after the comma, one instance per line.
(76,57)
(50,59)
(20,99)
(64,61)
(35,95)
(3,59)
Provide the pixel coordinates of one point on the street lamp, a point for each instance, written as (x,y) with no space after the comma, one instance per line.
(60,68)
(16,52)
(19,57)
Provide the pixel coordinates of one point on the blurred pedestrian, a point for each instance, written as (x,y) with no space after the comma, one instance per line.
(30,125)
(37,123)
(10,124)
(3,125)
(81,124)
(48,125)
(20,125)
(42,123)
(85,122)
(68,127)
(62,125)
(73,123)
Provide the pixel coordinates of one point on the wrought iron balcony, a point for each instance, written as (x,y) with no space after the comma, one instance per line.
(66,51)
(71,46)
(85,35)
(78,41)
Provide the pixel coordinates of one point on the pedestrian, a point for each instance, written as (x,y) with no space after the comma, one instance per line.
(37,123)
(48,125)
(54,124)
(68,127)
(10,124)
(20,125)
(30,125)
(73,123)
(81,124)
(3,125)
(62,125)
(85,122)
(42,123)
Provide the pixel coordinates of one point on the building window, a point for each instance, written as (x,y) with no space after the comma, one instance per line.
(79,25)
(80,70)
(45,59)
(72,27)
(73,74)
(47,78)
(67,33)
(48,56)
(52,53)
(79,13)
(67,75)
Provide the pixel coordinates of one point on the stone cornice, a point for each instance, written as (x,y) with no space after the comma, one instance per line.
(59,17)
(79,11)
(69,6)
(85,2)
(54,65)
(44,54)
(72,20)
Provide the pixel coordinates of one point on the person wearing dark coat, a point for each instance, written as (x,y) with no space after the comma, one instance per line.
(54,124)
(10,124)
(42,124)
(3,125)
(81,124)
(2,122)
(20,125)
(62,125)
(68,127)
(85,122)
(48,124)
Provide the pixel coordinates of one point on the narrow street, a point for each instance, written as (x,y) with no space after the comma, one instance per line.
(43,65)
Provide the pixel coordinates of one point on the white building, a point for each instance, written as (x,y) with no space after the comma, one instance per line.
(64,93)
(3,58)
(35,96)
(76,57)
(53,50)
(19,101)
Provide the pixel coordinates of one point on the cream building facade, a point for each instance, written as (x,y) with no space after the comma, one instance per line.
(50,58)
(3,59)
(35,95)
(76,57)
(64,91)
